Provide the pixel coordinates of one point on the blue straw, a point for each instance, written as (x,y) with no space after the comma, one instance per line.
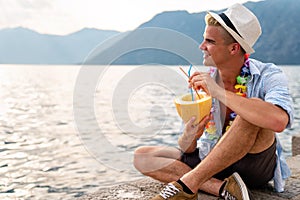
(189,73)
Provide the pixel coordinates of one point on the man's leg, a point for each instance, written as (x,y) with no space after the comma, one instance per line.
(239,140)
(162,163)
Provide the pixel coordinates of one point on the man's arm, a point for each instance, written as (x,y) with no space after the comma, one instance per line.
(253,110)
(256,111)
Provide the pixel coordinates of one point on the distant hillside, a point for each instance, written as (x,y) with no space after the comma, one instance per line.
(24,46)
(170,38)
(279,42)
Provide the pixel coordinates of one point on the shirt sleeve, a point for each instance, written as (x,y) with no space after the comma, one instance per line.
(276,91)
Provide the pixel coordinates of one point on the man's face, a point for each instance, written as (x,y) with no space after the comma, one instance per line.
(213,46)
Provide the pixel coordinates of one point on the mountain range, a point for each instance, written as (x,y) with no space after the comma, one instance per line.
(169,38)
(24,46)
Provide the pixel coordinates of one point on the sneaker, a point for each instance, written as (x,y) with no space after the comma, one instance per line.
(174,191)
(235,189)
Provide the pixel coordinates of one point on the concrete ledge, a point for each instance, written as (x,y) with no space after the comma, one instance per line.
(146,188)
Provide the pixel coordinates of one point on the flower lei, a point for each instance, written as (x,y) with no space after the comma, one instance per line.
(241,86)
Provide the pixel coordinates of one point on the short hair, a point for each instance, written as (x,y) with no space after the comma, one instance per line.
(209,20)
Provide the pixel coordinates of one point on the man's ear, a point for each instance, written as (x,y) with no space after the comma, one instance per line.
(235,48)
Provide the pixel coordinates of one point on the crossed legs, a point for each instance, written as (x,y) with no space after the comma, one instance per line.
(163,163)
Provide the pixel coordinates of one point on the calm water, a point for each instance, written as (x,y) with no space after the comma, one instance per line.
(57,142)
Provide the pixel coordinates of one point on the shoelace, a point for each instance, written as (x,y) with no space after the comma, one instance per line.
(169,191)
(227,196)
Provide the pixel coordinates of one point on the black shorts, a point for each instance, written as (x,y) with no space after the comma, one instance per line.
(256,170)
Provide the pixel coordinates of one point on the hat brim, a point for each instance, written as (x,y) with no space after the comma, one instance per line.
(240,40)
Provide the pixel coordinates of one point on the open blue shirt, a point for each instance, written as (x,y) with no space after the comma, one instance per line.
(269,83)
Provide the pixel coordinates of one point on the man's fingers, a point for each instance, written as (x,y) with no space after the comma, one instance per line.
(204,121)
(191,121)
(200,85)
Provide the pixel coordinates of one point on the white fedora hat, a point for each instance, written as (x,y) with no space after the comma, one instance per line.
(242,24)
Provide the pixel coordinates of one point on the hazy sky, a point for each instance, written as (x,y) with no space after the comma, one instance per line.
(66,16)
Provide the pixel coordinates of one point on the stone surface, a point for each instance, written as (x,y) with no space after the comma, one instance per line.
(146,188)
(296,145)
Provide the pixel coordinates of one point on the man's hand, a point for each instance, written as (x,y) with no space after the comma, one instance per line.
(188,140)
(195,131)
(201,80)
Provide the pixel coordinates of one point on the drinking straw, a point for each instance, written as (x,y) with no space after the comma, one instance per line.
(188,77)
(184,72)
(191,90)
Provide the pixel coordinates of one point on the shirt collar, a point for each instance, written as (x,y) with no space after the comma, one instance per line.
(253,68)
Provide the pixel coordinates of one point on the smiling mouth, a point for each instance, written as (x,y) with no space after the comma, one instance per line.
(205,54)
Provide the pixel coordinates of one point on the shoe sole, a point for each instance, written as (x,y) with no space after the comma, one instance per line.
(242,185)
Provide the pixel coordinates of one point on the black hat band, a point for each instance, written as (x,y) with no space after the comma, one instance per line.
(229,23)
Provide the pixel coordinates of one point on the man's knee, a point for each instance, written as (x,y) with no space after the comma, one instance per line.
(138,156)
(141,150)
(146,156)
(143,155)
(243,126)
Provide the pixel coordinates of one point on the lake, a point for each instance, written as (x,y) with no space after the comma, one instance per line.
(70,130)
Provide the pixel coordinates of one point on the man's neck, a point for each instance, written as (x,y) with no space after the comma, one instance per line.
(229,73)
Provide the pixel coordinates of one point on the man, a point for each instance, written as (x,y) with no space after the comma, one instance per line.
(243,149)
